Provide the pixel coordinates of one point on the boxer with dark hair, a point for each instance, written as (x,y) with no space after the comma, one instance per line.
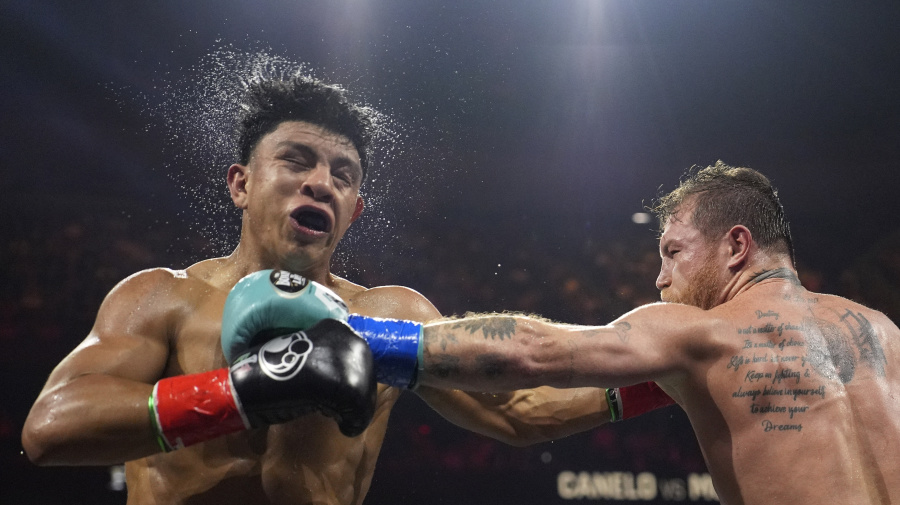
(151,386)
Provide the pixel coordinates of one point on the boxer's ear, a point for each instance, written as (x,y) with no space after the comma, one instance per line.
(360,205)
(237,184)
(740,241)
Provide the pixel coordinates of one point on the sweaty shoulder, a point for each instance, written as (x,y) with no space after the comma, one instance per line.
(679,320)
(677,332)
(165,282)
(396,302)
(159,293)
(145,289)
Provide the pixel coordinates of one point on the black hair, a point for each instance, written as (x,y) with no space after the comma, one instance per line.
(268,103)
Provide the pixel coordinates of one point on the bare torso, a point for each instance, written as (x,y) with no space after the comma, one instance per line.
(306,461)
(796,401)
(160,323)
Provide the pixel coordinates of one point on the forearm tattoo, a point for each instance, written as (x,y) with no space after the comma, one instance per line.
(447,363)
(491,327)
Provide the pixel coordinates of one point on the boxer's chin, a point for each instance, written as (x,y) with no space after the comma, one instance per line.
(703,293)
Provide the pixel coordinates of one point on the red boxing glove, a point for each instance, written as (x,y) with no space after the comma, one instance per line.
(632,401)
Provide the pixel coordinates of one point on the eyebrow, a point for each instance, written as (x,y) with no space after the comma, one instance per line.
(666,245)
(290,144)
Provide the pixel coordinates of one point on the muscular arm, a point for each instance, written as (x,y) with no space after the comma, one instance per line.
(522,417)
(517,418)
(93,408)
(503,353)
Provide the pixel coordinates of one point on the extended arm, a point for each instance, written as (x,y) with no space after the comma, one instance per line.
(519,418)
(503,352)
(526,416)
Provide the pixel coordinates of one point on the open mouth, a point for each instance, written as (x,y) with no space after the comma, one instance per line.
(312,219)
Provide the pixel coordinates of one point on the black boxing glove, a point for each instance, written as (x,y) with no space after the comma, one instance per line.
(327,369)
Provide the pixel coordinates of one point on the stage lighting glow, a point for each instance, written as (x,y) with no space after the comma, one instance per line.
(640,218)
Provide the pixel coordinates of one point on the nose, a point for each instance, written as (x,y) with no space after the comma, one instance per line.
(318,183)
(664,279)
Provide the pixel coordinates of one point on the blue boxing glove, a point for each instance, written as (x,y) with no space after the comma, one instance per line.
(268,303)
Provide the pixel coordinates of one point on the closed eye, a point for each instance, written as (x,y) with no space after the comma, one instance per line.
(669,253)
(345,176)
(298,162)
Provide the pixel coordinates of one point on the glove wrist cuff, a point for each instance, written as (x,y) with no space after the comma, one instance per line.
(614,400)
(640,398)
(188,409)
(395,345)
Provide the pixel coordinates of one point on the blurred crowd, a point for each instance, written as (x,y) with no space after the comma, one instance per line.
(56,272)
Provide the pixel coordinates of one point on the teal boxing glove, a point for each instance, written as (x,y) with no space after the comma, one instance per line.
(269,303)
(275,302)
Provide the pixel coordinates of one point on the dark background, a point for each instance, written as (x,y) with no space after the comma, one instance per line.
(521,136)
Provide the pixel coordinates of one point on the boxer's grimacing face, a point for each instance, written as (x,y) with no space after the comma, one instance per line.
(300,193)
(692,271)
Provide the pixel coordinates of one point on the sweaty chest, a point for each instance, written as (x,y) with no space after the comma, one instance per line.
(196,337)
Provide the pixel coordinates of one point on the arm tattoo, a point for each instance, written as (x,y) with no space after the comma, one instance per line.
(622,328)
(491,327)
(447,338)
(490,365)
(778,273)
(444,366)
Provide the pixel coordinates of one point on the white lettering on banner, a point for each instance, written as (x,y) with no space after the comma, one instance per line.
(626,486)
(701,486)
(607,485)
(673,489)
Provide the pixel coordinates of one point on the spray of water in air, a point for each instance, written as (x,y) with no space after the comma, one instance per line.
(198,110)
